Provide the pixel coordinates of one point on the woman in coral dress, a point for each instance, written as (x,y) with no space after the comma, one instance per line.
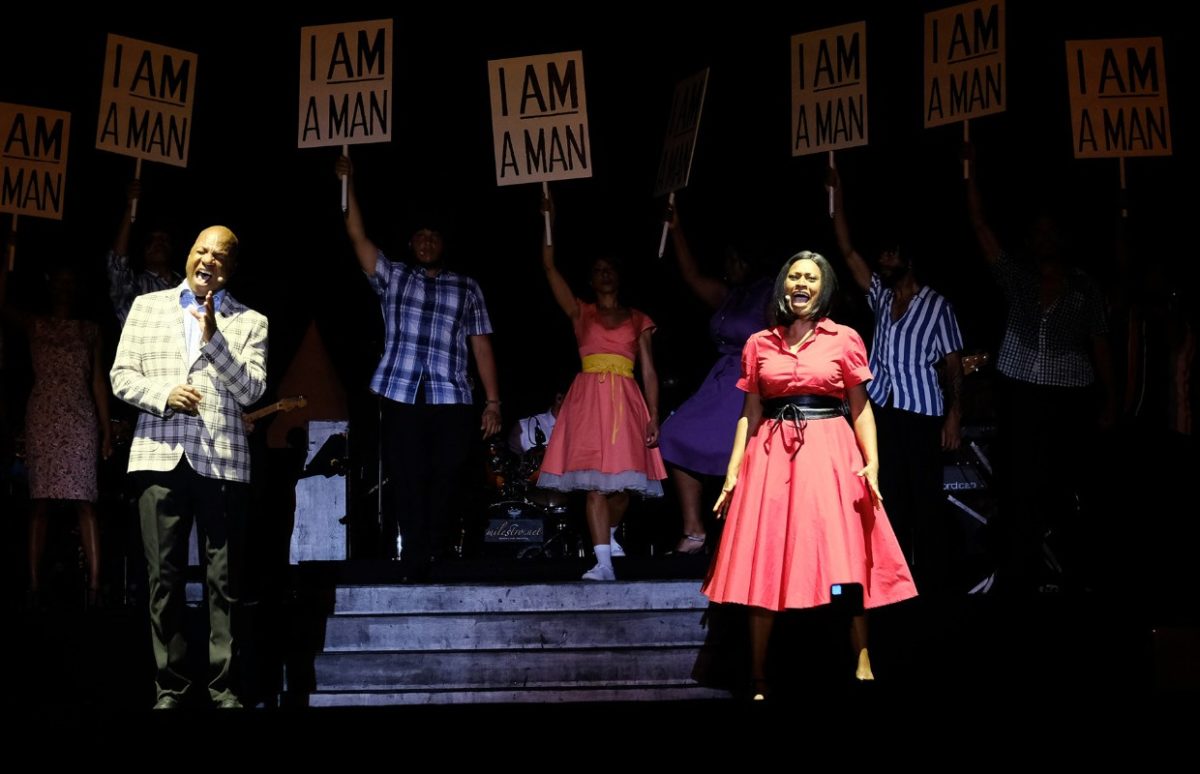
(606,434)
(801,492)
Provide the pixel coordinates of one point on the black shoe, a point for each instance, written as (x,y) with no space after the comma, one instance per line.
(166,702)
(229,703)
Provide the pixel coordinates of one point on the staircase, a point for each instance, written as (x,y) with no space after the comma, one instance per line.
(489,643)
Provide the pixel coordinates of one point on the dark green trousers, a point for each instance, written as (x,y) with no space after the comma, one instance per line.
(167,504)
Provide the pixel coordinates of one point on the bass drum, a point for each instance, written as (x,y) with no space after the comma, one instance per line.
(552,502)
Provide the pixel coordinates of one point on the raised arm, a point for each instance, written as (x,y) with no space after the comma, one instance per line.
(841,229)
(649,385)
(748,423)
(9,313)
(120,245)
(712,292)
(558,285)
(364,249)
(983,232)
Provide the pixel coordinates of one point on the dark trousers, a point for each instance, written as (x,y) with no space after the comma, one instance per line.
(1045,436)
(167,504)
(425,447)
(910,480)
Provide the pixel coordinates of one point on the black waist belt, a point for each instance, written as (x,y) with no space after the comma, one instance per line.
(797,407)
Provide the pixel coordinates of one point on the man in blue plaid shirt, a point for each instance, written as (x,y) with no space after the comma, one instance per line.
(124,282)
(431,315)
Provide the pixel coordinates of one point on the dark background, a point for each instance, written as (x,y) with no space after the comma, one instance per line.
(296,266)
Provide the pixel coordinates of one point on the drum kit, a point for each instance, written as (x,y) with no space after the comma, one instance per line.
(518,507)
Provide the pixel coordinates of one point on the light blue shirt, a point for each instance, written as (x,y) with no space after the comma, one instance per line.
(191,326)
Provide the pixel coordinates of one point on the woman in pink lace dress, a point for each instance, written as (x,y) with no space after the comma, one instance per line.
(66,420)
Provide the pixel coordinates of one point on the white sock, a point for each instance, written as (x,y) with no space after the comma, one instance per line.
(612,534)
(603,555)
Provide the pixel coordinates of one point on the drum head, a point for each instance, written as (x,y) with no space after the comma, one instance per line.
(513,509)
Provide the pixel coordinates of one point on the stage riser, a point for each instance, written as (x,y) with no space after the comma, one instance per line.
(514,632)
(482,670)
(522,598)
(547,696)
(510,643)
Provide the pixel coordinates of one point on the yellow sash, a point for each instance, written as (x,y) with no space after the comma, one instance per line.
(605,365)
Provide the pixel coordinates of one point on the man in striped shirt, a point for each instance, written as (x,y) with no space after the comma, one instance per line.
(431,315)
(916,364)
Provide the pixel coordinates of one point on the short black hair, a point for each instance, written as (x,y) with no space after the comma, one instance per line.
(781,309)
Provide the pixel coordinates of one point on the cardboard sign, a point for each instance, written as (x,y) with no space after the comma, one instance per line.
(829,89)
(1118,98)
(539,118)
(964,62)
(345,84)
(33,160)
(679,146)
(146,101)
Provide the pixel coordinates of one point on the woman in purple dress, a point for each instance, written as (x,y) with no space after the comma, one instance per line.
(696,439)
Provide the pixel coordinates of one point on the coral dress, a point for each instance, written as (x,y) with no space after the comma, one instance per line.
(801,519)
(599,439)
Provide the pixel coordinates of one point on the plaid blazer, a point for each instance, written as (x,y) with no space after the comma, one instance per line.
(230,373)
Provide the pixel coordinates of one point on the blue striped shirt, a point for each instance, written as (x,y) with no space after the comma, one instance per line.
(426,321)
(904,352)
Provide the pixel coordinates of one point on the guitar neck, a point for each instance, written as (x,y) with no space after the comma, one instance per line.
(254,416)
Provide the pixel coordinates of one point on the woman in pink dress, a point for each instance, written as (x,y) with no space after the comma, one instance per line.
(802,492)
(605,438)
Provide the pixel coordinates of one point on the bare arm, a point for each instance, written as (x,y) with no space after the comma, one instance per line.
(952,377)
(100,394)
(1102,357)
(748,423)
(983,232)
(841,229)
(864,432)
(485,362)
(120,244)
(364,249)
(649,385)
(558,285)
(10,314)
(712,292)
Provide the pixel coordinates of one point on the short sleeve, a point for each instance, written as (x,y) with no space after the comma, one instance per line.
(643,322)
(476,322)
(949,336)
(749,379)
(875,293)
(854,360)
(382,276)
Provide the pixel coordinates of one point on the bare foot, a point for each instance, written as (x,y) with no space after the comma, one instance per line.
(863,672)
(690,544)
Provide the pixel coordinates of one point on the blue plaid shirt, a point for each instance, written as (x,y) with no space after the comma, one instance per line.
(427,321)
(124,284)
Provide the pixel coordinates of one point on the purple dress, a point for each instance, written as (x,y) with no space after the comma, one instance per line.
(698,436)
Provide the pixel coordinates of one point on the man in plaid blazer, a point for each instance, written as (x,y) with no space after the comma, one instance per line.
(190,359)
